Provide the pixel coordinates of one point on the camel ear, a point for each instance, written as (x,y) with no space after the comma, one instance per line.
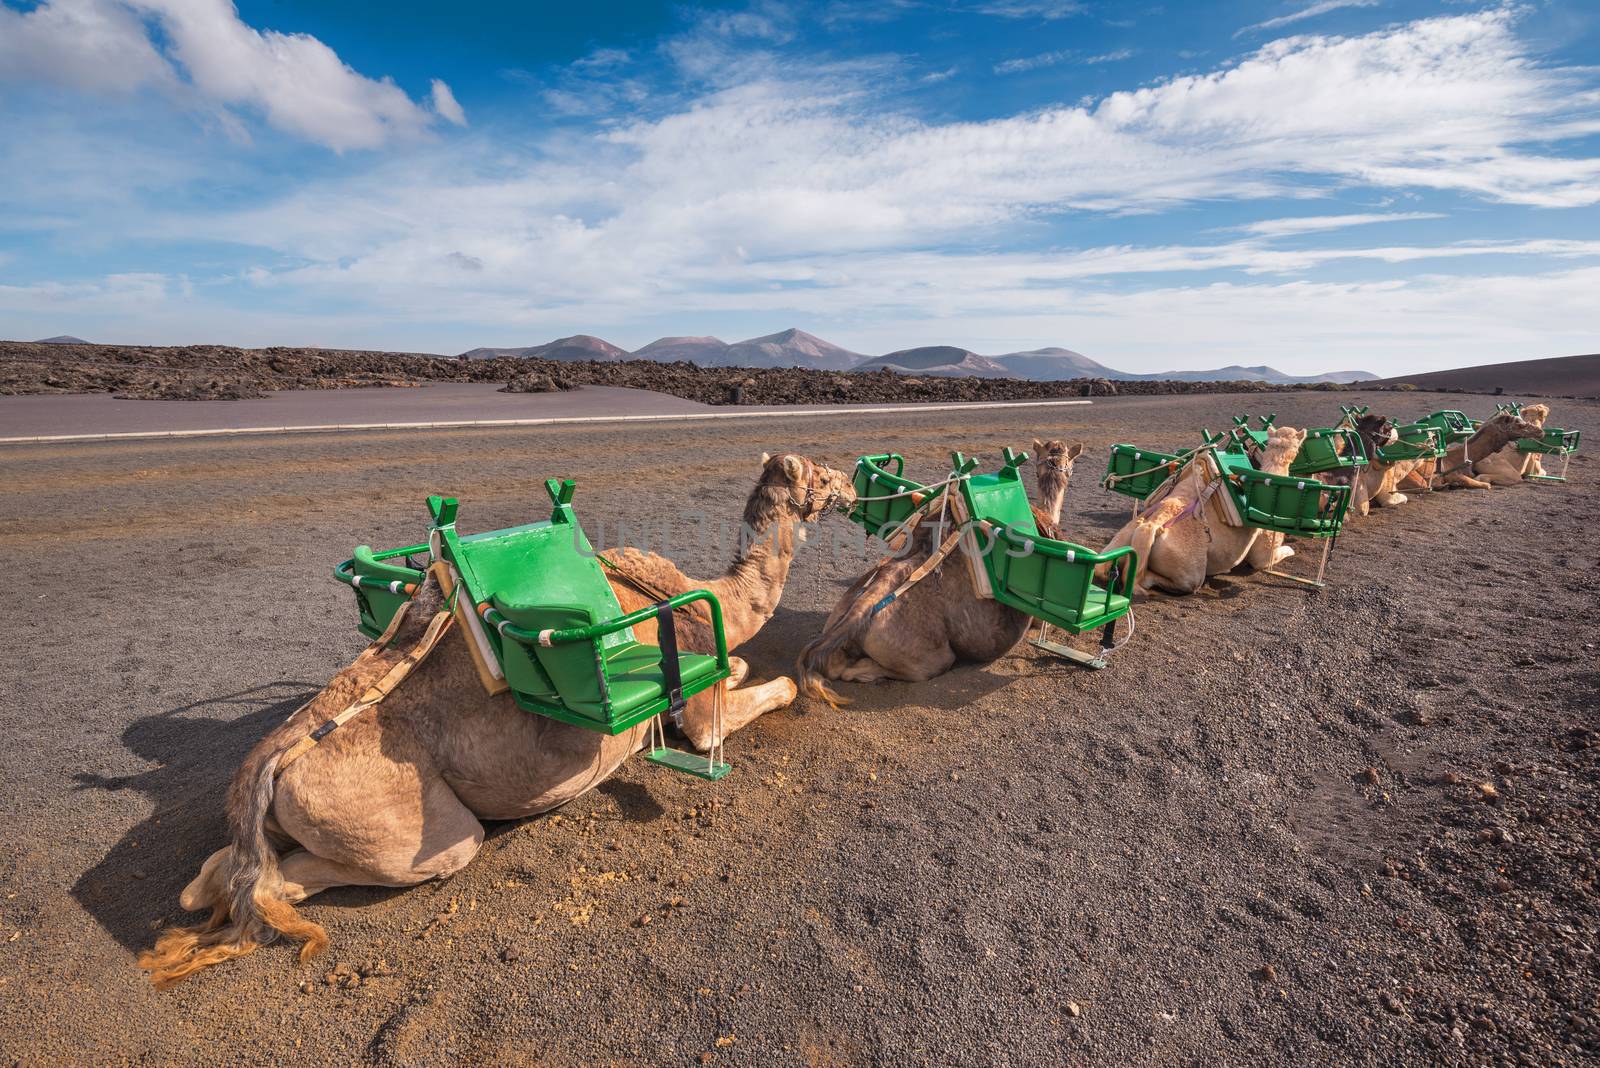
(793,468)
(765,457)
(1075,450)
(1038,447)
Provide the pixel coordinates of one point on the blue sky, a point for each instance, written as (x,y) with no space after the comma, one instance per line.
(1314,184)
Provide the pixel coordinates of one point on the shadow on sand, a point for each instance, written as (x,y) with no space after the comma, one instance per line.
(135,886)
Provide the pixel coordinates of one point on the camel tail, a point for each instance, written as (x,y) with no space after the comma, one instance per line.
(841,630)
(249,909)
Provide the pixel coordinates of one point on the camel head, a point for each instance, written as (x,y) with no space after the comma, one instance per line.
(1283,445)
(1536,413)
(1506,427)
(793,486)
(1376,431)
(1054,460)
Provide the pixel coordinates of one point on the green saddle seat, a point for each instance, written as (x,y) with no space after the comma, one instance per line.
(884,498)
(1045,578)
(544,607)
(1328,449)
(1553,440)
(1135,472)
(382,587)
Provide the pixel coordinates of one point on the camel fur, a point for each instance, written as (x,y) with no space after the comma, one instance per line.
(1183,538)
(936,622)
(1507,466)
(395,796)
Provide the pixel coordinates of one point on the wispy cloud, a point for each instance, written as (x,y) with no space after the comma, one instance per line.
(1322,7)
(1031,9)
(1025,63)
(1308,224)
(1113,57)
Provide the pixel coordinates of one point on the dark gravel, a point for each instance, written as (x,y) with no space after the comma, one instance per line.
(1262,836)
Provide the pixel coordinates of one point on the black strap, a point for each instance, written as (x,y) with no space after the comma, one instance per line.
(667,638)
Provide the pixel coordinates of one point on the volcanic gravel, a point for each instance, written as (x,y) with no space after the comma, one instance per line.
(216,372)
(1354,826)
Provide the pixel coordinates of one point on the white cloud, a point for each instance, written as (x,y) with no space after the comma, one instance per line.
(97,45)
(1114,57)
(294,81)
(445,105)
(1048,10)
(1024,63)
(1322,7)
(1306,224)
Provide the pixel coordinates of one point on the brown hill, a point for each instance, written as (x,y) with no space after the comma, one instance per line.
(1559,376)
(564,349)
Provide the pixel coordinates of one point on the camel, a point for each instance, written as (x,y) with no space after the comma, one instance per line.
(1183,539)
(1507,466)
(395,796)
(1376,484)
(941,619)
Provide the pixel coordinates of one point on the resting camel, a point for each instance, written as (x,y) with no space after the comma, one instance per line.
(1506,465)
(1183,538)
(936,622)
(394,796)
(1376,483)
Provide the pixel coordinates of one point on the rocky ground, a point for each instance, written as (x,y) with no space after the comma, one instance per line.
(1354,826)
(214,372)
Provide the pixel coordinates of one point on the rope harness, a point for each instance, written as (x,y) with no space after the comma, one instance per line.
(374,694)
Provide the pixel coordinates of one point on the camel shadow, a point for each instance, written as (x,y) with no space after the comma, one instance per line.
(134,887)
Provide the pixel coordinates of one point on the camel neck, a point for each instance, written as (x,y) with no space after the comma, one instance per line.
(753,585)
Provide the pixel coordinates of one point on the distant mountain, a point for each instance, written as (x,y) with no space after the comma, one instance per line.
(790,348)
(706,351)
(568,349)
(796,348)
(1054,365)
(61,339)
(942,360)
(1236,373)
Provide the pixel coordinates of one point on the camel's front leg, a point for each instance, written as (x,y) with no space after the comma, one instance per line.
(1390,500)
(1269,550)
(739,708)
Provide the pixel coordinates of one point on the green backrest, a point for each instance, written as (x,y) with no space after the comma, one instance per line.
(1289,505)
(1000,498)
(526,568)
(1455,425)
(574,668)
(1138,471)
(376,602)
(873,481)
(1553,440)
(1328,449)
(1417,441)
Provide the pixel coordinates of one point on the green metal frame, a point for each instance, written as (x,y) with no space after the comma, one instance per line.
(1454,425)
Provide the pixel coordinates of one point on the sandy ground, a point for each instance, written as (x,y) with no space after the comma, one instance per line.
(1257,838)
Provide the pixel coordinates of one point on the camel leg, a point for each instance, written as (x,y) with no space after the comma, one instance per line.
(738,671)
(740,708)
(206,888)
(864,670)
(901,658)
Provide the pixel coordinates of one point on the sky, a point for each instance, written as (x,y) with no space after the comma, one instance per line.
(1383,185)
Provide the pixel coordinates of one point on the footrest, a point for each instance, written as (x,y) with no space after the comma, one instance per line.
(1543,478)
(1066,652)
(689,763)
